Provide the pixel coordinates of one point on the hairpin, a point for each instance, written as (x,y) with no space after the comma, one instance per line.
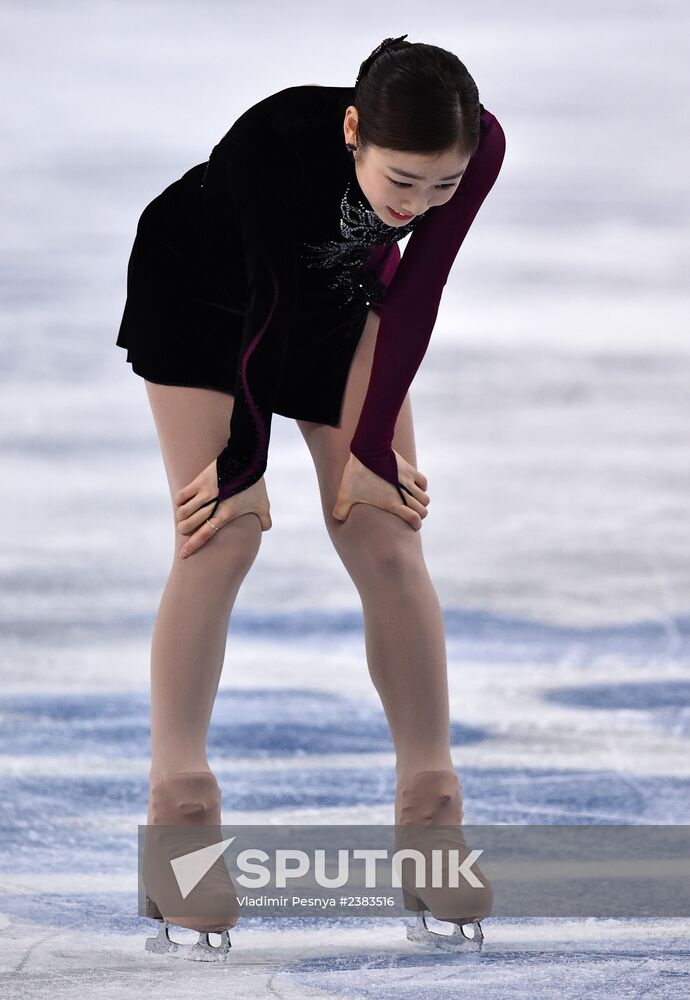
(386,43)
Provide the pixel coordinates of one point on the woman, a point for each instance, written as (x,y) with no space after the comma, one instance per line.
(269,280)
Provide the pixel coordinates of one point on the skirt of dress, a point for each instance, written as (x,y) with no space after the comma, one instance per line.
(180,328)
(175,330)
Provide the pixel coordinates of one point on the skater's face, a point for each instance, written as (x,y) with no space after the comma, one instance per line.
(383,176)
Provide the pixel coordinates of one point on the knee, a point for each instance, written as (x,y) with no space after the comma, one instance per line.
(375,543)
(240,541)
(228,555)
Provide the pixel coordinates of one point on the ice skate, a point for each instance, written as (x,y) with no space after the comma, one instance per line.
(185,816)
(428,817)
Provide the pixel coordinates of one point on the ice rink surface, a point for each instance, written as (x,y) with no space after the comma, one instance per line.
(552,421)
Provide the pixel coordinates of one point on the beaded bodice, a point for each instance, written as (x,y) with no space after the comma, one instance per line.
(345,260)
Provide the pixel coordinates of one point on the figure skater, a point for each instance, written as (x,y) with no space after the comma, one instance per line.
(268,279)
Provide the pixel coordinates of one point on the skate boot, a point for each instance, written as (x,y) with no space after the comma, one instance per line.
(428,815)
(185,816)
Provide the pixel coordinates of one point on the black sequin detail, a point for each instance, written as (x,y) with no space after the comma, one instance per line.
(238,470)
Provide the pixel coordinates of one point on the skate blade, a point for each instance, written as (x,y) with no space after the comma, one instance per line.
(201,951)
(457,941)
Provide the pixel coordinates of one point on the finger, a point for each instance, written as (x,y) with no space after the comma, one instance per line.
(416,492)
(407,514)
(185,493)
(419,478)
(409,500)
(185,515)
(196,519)
(188,508)
(341,510)
(198,539)
(415,505)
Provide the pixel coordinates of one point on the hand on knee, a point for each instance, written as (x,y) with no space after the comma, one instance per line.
(192,509)
(359,485)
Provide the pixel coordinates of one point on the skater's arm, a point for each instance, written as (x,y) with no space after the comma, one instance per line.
(408,311)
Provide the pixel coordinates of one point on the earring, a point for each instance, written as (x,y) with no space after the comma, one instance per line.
(349,145)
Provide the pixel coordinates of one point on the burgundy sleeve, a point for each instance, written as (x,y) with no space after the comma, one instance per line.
(409,308)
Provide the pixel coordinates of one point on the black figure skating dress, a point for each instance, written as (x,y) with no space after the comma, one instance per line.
(254,273)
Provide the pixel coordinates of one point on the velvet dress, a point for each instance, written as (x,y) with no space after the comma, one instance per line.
(253,274)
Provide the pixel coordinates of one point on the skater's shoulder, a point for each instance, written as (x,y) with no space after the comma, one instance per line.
(295,110)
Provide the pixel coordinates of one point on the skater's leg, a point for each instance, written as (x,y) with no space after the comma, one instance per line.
(404,631)
(406,655)
(189,636)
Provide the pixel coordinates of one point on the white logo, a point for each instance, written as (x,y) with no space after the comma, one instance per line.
(190,868)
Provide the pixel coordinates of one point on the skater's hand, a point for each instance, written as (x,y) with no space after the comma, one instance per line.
(192,510)
(360,485)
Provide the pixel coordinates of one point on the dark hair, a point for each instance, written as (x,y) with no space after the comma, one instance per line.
(416,98)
